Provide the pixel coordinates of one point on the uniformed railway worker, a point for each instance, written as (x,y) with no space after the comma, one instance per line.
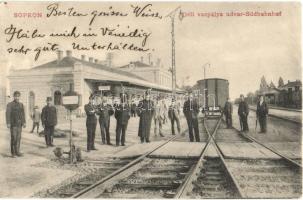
(15,120)
(191,110)
(262,112)
(91,123)
(174,116)
(145,112)
(228,110)
(105,111)
(243,111)
(122,115)
(49,121)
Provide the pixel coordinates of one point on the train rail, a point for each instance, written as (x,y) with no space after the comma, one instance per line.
(149,177)
(206,176)
(262,178)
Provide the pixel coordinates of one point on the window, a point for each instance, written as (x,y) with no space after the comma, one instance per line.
(57,98)
(297,88)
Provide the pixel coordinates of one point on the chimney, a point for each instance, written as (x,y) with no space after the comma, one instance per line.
(83,57)
(109,59)
(91,59)
(59,55)
(69,53)
(96,60)
(141,59)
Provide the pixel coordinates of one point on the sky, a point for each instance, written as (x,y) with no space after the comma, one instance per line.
(240,49)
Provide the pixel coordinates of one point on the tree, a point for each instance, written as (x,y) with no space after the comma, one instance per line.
(281,82)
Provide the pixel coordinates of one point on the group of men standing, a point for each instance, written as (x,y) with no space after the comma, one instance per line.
(104,110)
(15,120)
(243,111)
(147,111)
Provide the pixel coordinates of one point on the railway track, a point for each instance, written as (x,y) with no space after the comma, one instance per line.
(210,175)
(277,177)
(151,177)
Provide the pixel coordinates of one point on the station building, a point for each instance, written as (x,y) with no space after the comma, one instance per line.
(86,75)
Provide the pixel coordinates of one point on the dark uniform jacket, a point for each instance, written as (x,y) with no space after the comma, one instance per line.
(190,109)
(262,110)
(146,113)
(228,108)
(90,114)
(105,111)
(243,108)
(49,116)
(15,115)
(122,114)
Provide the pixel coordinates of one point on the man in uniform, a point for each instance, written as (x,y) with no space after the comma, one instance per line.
(228,110)
(191,111)
(15,119)
(91,123)
(262,112)
(243,111)
(174,116)
(145,112)
(105,111)
(122,115)
(36,116)
(49,121)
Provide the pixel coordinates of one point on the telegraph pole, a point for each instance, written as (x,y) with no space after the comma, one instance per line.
(173,43)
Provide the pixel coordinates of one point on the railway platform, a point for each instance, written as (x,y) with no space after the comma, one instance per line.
(158,168)
(287,114)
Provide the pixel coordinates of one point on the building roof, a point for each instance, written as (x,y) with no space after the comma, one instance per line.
(137,64)
(293,83)
(70,61)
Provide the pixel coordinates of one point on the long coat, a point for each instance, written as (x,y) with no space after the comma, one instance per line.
(15,114)
(145,112)
(262,110)
(49,116)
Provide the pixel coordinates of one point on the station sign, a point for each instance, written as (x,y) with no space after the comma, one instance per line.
(70,100)
(104,87)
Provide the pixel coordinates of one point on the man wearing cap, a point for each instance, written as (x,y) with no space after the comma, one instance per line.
(36,116)
(174,116)
(243,111)
(105,111)
(145,112)
(91,123)
(49,121)
(15,119)
(122,115)
(191,110)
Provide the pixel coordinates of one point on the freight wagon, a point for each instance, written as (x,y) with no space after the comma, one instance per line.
(212,94)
